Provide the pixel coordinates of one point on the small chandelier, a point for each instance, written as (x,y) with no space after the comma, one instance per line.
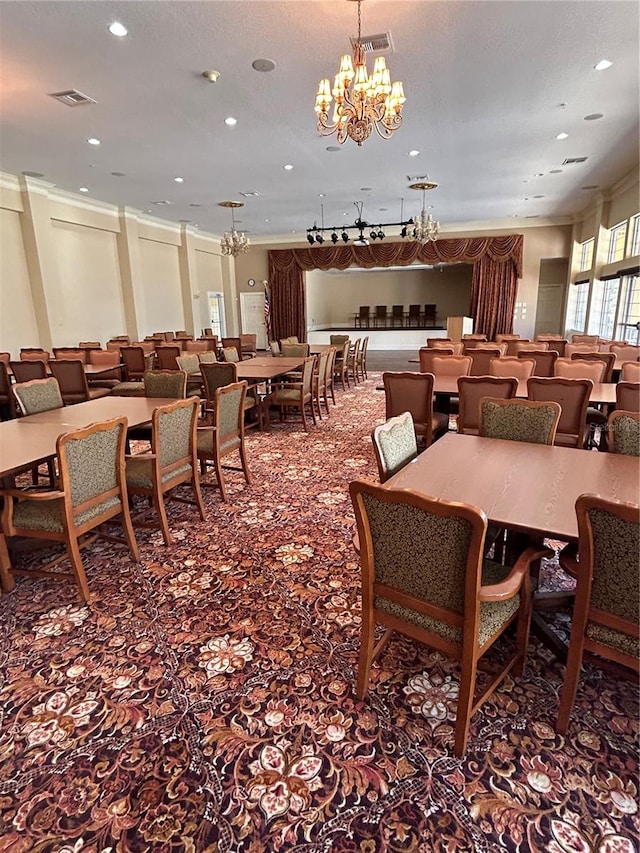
(425,227)
(233,243)
(370,102)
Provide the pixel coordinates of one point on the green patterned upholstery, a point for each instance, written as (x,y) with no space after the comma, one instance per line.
(140,472)
(92,462)
(207,357)
(624,643)
(172,384)
(396,443)
(188,363)
(513,421)
(616,581)
(39,395)
(49,515)
(217,376)
(128,389)
(433,574)
(295,350)
(174,434)
(231,355)
(625,435)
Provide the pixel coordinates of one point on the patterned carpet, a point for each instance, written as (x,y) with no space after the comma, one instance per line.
(204,700)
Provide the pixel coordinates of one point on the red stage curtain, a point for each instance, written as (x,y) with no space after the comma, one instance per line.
(497,265)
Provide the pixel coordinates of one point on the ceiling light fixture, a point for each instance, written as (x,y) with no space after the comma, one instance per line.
(562,136)
(425,227)
(414,152)
(362,102)
(179,180)
(603,65)
(93,141)
(84,189)
(316,233)
(118,29)
(288,167)
(230,121)
(233,242)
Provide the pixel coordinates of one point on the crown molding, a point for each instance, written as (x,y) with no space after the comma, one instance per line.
(627,181)
(9,181)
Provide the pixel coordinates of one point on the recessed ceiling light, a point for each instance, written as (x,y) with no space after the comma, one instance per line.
(603,65)
(293,232)
(320,195)
(526,198)
(288,167)
(93,141)
(539,175)
(514,215)
(333,148)
(118,29)
(267,220)
(414,152)
(263,65)
(594,116)
(84,189)
(231,121)
(179,180)
(562,136)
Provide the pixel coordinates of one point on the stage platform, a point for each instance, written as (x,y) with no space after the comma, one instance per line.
(382,339)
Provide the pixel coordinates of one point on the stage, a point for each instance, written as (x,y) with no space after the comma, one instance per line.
(382,339)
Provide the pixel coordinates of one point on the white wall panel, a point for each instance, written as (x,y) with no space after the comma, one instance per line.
(17,317)
(162,296)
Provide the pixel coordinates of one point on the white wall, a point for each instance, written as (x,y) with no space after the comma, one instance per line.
(161,289)
(17,317)
(209,278)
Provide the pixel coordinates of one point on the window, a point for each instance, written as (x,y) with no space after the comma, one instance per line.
(586,255)
(216,314)
(604,301)
(629,312)
(617,237)
(577,306)
(635,239)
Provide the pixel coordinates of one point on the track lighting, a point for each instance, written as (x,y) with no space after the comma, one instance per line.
(345,236)
(334,238)
(376,231)
(310,239)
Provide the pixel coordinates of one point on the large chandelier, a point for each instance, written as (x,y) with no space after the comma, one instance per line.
(234,242)
(425,227)
(366,103)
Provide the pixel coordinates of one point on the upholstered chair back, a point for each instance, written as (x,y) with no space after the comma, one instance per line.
(630,371)
(230,415)
(573,397)
(544,360)
(608,359)
(90,465)
(71,379)
(519,420)
(188,363)
(274,346)
(628,396)
(570,349)
(38,395)
(217,376)
(571,368)
(623,432)
(70,353)
(625,352)
(295,350)
(165,383)
(231,355)
(339,340)
(208,357)
(25,371)
(174,431)
(427,354)
(166,357)
(585,339)
(520,368)
(134,362)
(452,365)
(471,390)
(394,445)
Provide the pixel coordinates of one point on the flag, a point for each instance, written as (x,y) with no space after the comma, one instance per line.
(267,311)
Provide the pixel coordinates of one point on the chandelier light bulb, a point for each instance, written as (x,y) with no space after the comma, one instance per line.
(362,102)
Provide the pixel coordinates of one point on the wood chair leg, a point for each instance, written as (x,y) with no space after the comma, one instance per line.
(366,655)
(195,484)
(465,703)
(524,625)
(158,501)
(570,684)
(73,552)
(217,464)
(129,534)
(243,462)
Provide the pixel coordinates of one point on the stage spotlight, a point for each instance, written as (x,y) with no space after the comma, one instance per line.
(334,238)
(372,234)
(381,234)
(310,239)
(403,233)
(319,238)
(345,236)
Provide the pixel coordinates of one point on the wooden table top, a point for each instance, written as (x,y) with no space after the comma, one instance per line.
(521,486)
(89,369)
(267,367)
(137,410)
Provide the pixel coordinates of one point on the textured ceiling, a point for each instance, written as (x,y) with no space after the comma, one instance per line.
(484,83)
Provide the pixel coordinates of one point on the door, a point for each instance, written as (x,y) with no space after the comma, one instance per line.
(549,309)
(252,317)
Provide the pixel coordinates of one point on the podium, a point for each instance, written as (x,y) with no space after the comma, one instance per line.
(459,326)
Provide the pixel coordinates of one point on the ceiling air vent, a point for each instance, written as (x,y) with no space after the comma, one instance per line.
(380,43)
(72,98)
(571,160)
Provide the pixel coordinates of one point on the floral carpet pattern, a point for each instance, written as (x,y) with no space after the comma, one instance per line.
(203,700)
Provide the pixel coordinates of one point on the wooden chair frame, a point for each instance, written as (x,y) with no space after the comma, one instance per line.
(388,426)
(523,404)
(418,402)
(71,533)
(558,388)
(223,445)
(507,385)
(468,652)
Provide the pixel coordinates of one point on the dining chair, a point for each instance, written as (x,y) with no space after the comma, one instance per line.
(25,371)
(474,336)
(414,317)
(628,396)
(362,318)
(571,368)
(481,360)
(623,432)
(69,353)
(413,393)
(520,368)
(7,400)
(189,363)
(135,363)
(171,462)
(37,395)
(248,345)
(556,343)
(340,365)
(167,357)
(331,372)
(196,346)
(380,316)
(73,382)
(208,357)
(437,342)
(424,575)
(625,352)
(361,359)
(274,346)
(519,420)
(221,374)
(90,345)
(452,365)
(573,398)
(610,346)
(338,340)
(630,371)
(515,347)
(34,354)
(585,339)
(226,436)
(165,383)
(320,382)
(230,355)
(352,361)
(295,350)
(92,491)
(107,378)
(427,354)
(394,445)
(570,349)
(544,360)
(606,358)
(472,389)
(606,616)
(504,339)
(295,395)
(430,314)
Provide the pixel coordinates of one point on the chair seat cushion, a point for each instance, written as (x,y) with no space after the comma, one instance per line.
(624,643)
(205,442)
(96,393)
(49,515)
(139,473)
(283,395)
(493,614)
(128,389)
